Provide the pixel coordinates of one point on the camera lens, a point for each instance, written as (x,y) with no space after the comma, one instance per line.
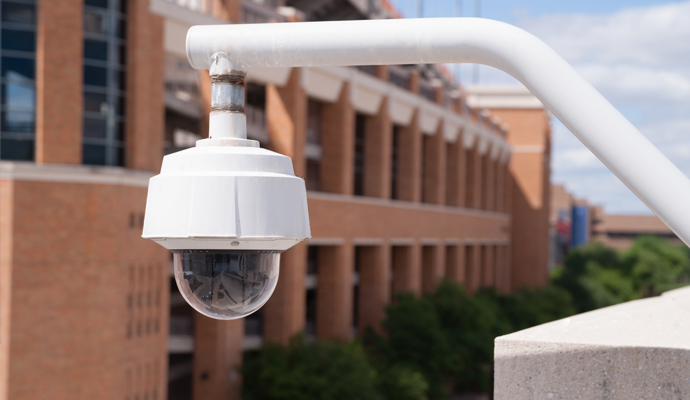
(226,284)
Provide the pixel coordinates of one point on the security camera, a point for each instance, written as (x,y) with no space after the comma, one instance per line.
(226,209)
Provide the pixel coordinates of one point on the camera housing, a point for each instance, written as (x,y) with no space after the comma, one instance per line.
(226,209)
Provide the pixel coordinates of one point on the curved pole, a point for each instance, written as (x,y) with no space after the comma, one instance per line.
(611,137)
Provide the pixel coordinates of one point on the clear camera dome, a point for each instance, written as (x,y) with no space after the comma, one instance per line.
(226,284)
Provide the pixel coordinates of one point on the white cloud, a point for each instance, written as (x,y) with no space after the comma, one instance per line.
(639,58)
(651,35)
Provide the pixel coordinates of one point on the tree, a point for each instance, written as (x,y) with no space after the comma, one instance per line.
(656,266)
(309,370)
(593,277)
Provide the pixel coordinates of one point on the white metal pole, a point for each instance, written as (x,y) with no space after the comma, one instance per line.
(611,137)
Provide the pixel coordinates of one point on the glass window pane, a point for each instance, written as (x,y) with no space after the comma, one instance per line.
(19,96)
(95,128)
(121,106)
(117,154)
(21,66)
(95,76)
(95,102)
(94,154)
(95,23)
(17,149)
(122,55)
(15,12)
(97,3)
(18,40)
(121,131)
(96,49)
(119,80)
(16,121)
(121,29)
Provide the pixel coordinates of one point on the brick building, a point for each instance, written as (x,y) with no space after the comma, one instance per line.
(408,182)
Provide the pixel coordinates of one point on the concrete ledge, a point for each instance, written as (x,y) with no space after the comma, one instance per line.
(635,350)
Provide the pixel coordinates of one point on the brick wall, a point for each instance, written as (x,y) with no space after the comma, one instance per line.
(89,296)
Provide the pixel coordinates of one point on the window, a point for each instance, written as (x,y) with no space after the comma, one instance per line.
(17,79)
(395,163)
(360,126)
(254,323)
(359,253)
(424,168)
(313,149)
(310,284)
(452,167)
(255,108)
(367,69)
(452,263)
(427,90)
(399,76)
(105,82)
(470,269)
(469,177)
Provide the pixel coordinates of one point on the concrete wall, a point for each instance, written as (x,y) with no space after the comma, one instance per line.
(635,350)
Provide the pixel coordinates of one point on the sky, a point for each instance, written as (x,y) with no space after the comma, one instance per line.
(635,52)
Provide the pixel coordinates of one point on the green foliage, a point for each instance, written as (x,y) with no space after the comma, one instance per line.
(576,275)
(442,344)
(597,276)
(307,370)
(448,335)
(530,307)
(401,383)
(656,266)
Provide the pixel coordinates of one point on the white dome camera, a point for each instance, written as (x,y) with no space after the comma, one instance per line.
(226,209)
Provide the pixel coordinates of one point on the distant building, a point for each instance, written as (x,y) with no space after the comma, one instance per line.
(575,222)
(619,231)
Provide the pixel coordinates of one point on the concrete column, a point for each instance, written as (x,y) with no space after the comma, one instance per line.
(145,88)
(217,355)
(286,115)
(59,100)
(284,313)
(406,263)
(377,153)
(337,143)
(374,285)
(455,263)
(433,267)
(435,168)
(488,266)
(410,158)
(334,288)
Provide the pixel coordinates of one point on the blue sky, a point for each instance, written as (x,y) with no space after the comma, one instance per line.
(636,52)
